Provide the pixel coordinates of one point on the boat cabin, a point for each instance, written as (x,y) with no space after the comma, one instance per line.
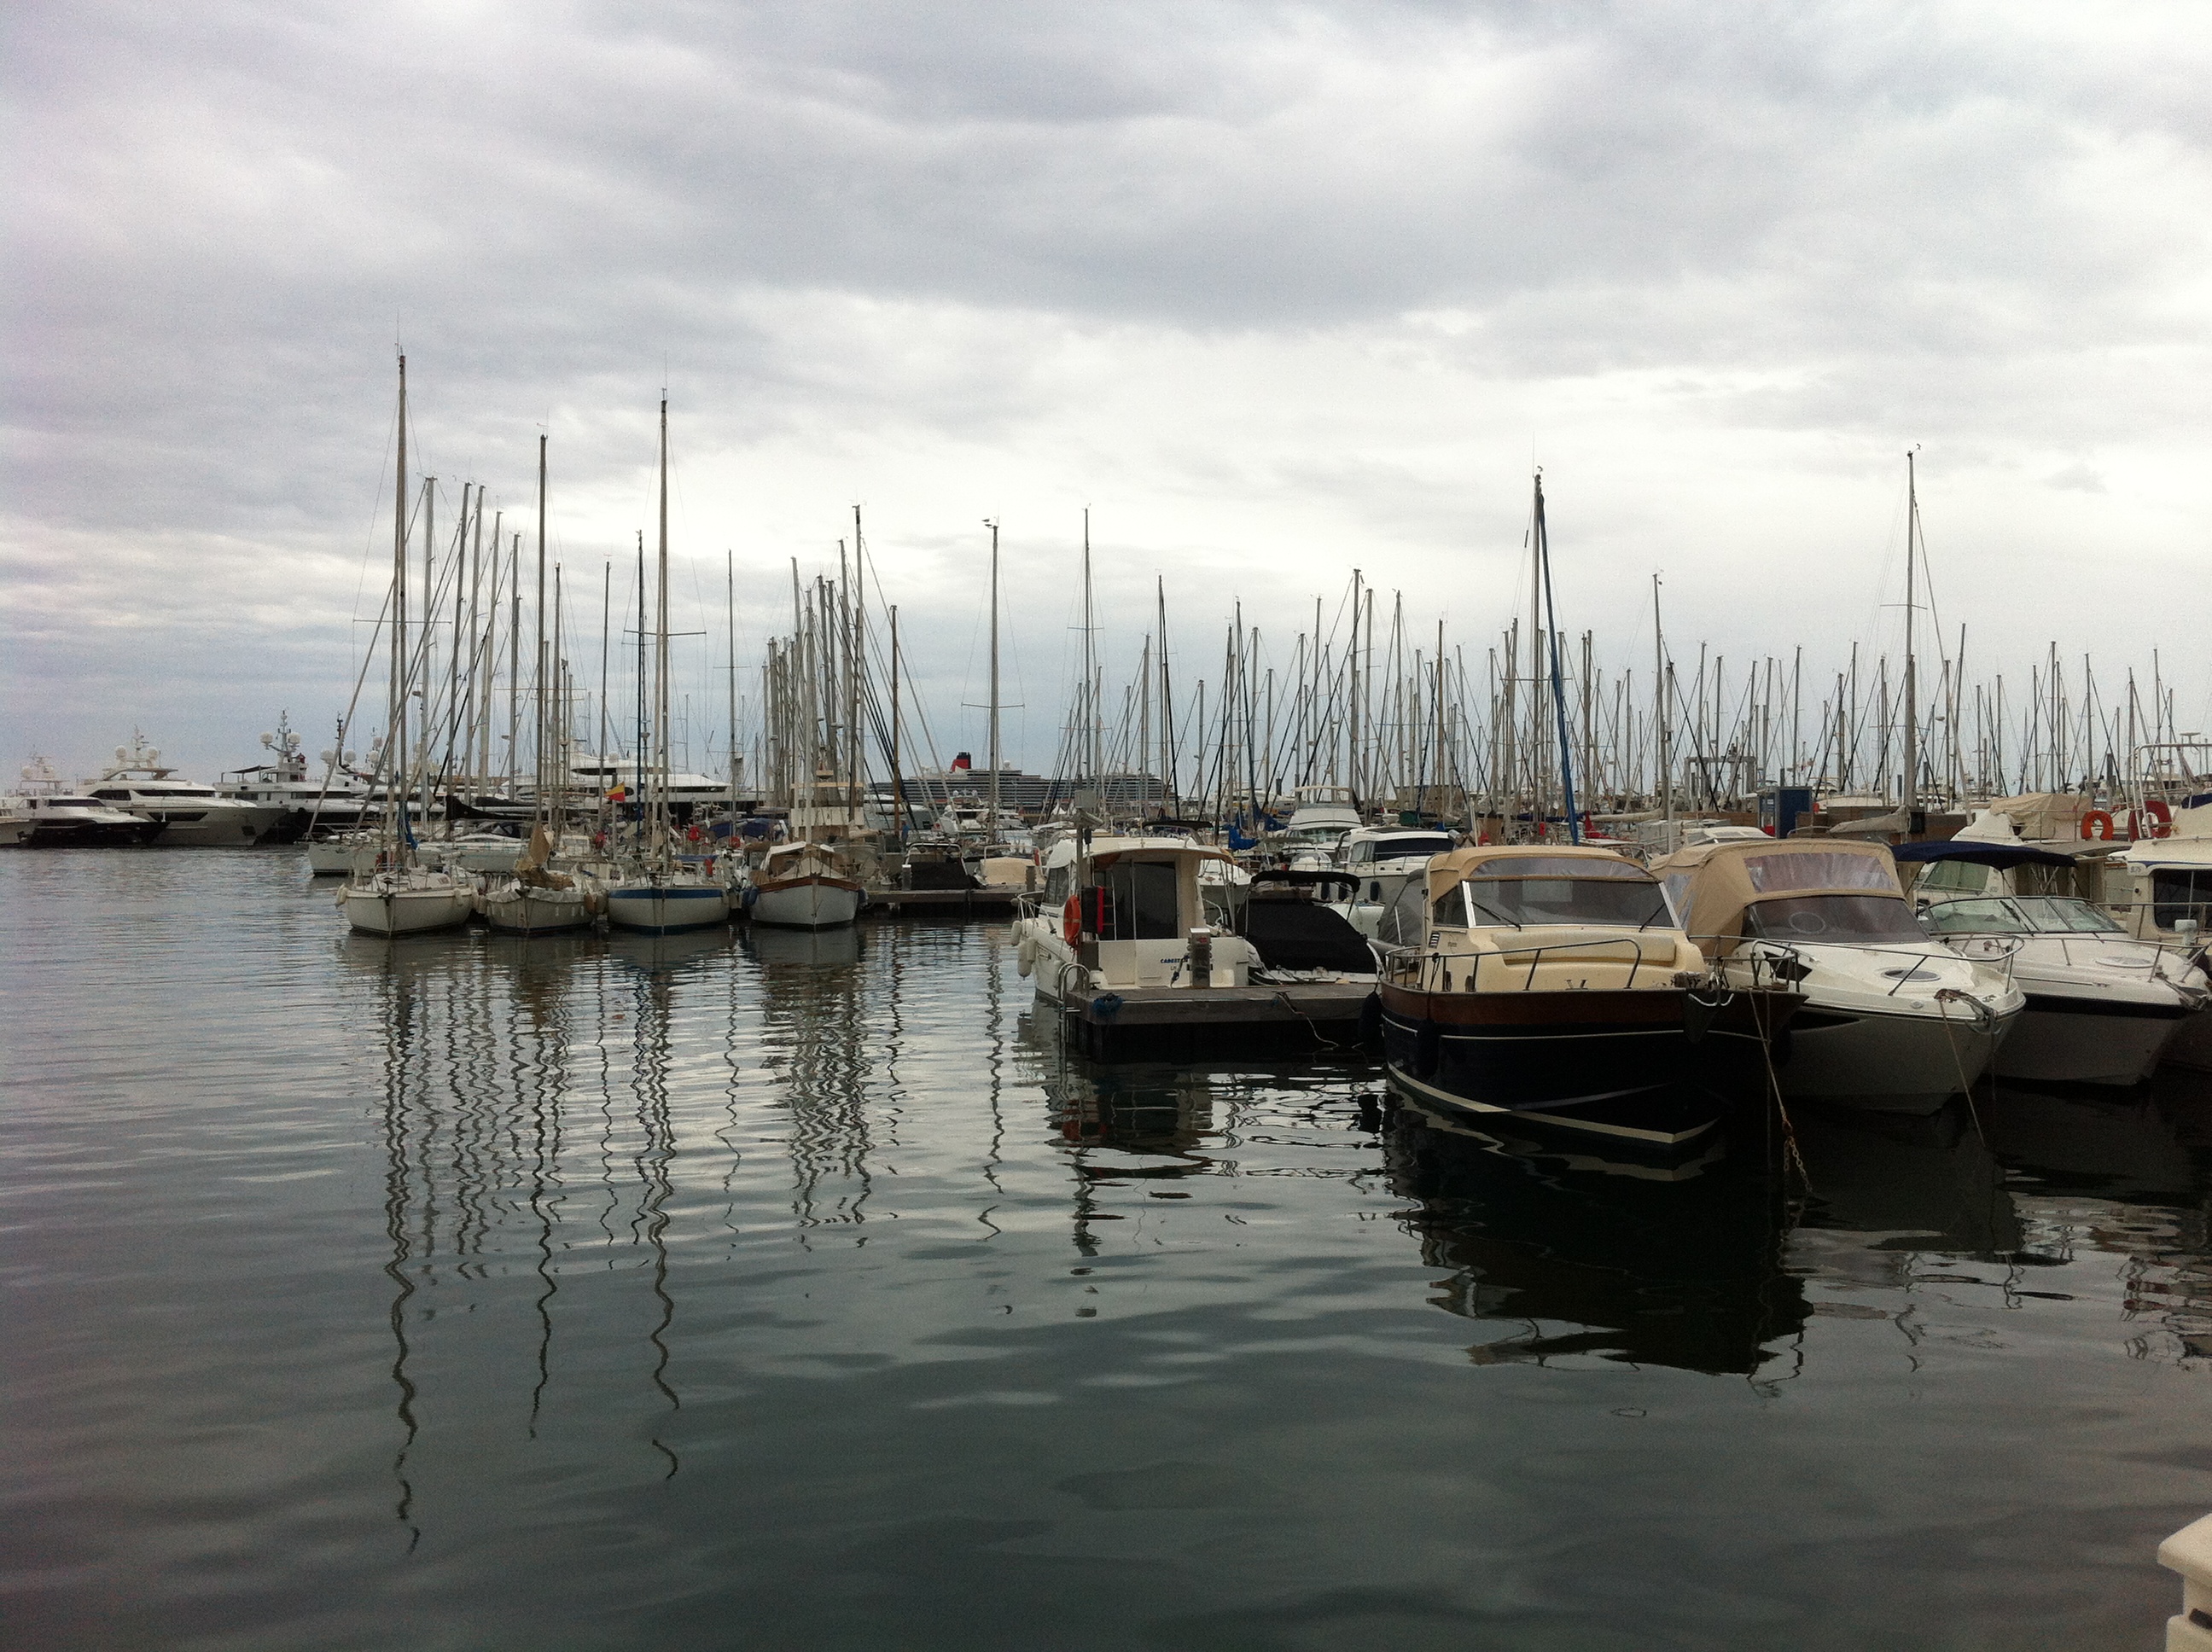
(1134,910)
(1534,917)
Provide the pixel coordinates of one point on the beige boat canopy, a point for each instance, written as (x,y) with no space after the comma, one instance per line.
(1528,860)
(1712,884)
(1100,859)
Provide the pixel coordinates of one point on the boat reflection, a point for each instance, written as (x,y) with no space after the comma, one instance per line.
(1586,1258)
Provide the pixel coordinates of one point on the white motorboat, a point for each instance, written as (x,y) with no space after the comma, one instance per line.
(1141,953)
(1314,836)
(1384,859)
(806,886)
(41,816)
(191,816)
(2101,1007)
(1894,1022)
(342,853)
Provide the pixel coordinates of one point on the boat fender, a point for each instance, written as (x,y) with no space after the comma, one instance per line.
(2093,821)
(1370,1018)
(1025,954)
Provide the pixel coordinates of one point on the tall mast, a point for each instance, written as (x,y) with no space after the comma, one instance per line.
(544,650)
(1666,775)
(992,830)
(660,661)
(514,656)
(1911,788)
(1089,700)
(898,768)
(730,614)
(1559,680)
(395,718)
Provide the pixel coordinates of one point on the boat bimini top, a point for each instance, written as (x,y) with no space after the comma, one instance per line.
(1839,891)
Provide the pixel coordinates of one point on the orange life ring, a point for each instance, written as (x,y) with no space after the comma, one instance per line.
(2098,817)
(1071,920)
(2154,809)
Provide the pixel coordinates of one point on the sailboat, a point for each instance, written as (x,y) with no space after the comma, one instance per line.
(393,894)
(538,901)
(656,892)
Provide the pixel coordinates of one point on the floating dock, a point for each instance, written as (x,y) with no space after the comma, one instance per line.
(1176,1023)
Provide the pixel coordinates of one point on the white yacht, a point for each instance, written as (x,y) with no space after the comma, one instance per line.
(2101,1007)
(1384,859)
(1314,836)
(336,800)
(193,817)
(1894,1021)
(42,817)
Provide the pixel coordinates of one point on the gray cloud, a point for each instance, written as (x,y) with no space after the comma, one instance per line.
(1281,288)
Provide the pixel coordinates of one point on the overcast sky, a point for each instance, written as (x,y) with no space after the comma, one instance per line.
(1278,291)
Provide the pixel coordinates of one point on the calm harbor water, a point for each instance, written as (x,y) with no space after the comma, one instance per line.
(791,1291)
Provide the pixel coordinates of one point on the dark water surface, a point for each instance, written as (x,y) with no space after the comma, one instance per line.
(778,1291)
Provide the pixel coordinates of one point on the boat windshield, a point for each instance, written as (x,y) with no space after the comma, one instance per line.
(1984,917)
(1609,898)
(1846,920)
(1400,849)
(2060,914)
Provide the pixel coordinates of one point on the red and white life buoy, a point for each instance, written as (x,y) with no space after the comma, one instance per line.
(1071,920)
(2092,821)
(2155,810)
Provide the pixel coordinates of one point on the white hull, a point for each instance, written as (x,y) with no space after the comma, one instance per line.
(408,904)
(664,908)
(216,828)
(518,911)
(1889,1062)
(805,903)
(2054,1046)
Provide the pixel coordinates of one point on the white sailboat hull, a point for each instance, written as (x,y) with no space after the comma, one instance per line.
(517,910)
(806,903)
(664,908)
(406,904)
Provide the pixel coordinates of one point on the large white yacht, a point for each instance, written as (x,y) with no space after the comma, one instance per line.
(42,817)
(336,800)
(191,816)
(1384,859)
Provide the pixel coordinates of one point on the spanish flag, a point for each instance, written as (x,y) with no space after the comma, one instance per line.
(618,794)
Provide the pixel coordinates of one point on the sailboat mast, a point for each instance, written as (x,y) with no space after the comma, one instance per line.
(1911,788)
(661,662)
(395,718)
(898,768)
(543,651)
(992,828)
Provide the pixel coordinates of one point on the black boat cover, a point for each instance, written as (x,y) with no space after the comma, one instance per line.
(1303,935)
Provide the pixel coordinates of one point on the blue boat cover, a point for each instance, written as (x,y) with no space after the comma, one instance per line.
(2003,856)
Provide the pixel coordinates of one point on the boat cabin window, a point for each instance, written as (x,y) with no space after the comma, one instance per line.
(112,796)
(1055,886)
(1608,898)
(2179,892)
(1142,896)
(1403,848)
(1843,919)
(1774,874)
(1962,877)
